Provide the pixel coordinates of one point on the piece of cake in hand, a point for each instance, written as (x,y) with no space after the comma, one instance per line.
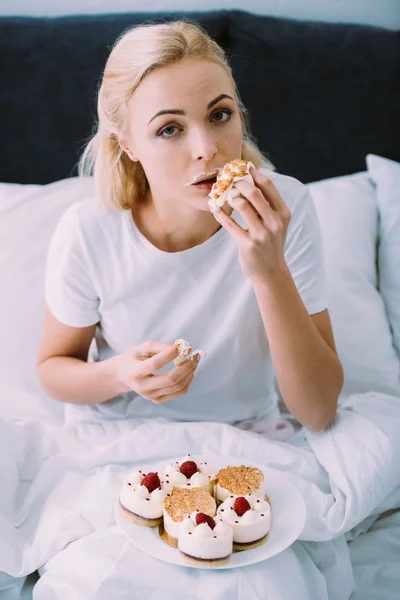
(185,352)
(204,541)
(224,189)
(239,481)
(142,497)
(249,517)
(190,473)
(180,505)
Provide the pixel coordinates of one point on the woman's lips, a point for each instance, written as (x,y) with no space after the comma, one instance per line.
(204,186)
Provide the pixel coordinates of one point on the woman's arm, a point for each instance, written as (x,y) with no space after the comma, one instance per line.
(63,369)
(306,365)
(66,375)
(308,370)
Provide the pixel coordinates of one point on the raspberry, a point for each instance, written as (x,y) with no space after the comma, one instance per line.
(188,468)
(241,506)
(151,481)
(203,518)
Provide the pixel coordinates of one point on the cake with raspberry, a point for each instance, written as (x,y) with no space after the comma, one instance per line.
(142,498)
(224,189)
(205,541)
(239,481)
(249,517)
(189,473)
(180,505)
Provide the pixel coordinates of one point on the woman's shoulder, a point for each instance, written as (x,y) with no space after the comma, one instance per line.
(89,215)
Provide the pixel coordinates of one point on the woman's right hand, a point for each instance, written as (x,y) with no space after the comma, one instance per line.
(134,370)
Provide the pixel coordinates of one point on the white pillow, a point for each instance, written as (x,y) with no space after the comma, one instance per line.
(348,215)
(385,174)
(28,217)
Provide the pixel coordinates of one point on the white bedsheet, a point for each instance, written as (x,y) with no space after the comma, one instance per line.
(59,486)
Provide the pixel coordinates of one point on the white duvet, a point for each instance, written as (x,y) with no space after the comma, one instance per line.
(59,486)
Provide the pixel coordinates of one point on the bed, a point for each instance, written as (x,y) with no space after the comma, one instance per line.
(324,104)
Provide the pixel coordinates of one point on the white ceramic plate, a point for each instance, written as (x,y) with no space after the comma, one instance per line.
(288,519)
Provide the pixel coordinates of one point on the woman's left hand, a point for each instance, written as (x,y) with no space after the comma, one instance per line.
(261,244)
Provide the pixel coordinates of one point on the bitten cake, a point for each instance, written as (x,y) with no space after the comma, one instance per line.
(224,189)
(249,518)
(142,497)
(185,352)
(181,504)
(239,481)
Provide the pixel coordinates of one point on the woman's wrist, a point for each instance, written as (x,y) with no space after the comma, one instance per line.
(112,375)
(272,280)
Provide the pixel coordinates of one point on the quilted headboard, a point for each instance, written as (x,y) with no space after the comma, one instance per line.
(320,96)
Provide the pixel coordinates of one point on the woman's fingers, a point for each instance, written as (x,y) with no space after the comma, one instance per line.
(173,380)
(255,199)
(270,192)
(175,391)
(237,232)
(159,355)
(255,223)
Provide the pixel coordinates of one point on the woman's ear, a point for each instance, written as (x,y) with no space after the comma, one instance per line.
(127,150)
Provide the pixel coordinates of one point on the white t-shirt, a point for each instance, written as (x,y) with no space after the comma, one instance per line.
(101,269)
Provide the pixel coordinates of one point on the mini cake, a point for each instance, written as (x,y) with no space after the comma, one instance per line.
(185,352)
(239,481)
(224,189)
(189,473)
(249,518)
(181,504)
(205,542)
(142,497)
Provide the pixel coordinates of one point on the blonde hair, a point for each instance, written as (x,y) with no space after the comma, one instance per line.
(119,181)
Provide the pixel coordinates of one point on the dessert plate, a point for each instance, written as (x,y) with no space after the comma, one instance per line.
(288,518)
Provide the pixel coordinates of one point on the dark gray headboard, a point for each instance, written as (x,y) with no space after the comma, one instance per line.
(320,96)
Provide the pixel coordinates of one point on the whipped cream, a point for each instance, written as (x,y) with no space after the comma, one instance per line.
(137,499)
(252,525)
(200,541)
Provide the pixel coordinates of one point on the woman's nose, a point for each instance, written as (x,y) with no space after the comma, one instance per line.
(203,146)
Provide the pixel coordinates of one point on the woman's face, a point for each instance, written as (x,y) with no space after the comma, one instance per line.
(184,123)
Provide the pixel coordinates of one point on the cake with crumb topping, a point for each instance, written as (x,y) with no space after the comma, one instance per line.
(239,481)
(180,504)
(223,190)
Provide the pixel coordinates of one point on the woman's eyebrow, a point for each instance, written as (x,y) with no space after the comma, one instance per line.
(178,111)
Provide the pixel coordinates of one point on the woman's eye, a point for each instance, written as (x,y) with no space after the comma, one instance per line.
(222,115)
(168,131)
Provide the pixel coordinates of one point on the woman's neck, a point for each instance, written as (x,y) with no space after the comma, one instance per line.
(177,232)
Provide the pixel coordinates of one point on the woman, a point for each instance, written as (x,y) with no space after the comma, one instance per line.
(146,262)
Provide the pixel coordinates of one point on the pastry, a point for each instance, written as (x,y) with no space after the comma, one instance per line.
(181,504)
(205,541)
(224,189)
(185,352)
(249,517)
(189,473)
(239,481)
(142,498)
